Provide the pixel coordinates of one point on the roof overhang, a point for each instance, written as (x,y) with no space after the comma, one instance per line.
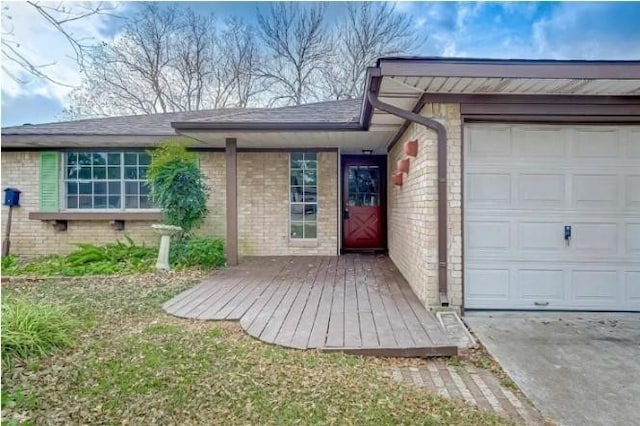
(408,82)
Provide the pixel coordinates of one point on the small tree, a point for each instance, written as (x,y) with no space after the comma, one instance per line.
(177,185)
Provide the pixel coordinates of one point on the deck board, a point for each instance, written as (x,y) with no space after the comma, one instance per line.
(354,303)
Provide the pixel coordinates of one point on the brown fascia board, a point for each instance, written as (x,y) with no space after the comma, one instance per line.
(509,68)
(268,126)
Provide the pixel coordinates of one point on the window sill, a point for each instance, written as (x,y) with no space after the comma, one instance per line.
(97,216)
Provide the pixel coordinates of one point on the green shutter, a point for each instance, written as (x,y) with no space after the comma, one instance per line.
(49,181)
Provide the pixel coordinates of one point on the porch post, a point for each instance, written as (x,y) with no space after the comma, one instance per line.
(232,201)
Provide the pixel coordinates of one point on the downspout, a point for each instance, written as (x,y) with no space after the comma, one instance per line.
(441,131)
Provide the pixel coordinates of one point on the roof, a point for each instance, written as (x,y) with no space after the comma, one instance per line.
(147,124)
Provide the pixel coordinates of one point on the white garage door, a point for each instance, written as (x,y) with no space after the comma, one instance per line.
(523,184)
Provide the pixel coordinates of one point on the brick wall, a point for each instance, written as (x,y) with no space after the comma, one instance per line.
(31,238)
(413,209)
(263,206)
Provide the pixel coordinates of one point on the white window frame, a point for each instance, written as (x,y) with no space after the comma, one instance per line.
(64,181)
(303,203)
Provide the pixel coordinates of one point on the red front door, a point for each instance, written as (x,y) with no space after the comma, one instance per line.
(363,202)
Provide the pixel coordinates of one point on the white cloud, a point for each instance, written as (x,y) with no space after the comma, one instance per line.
(41,44)
(589,31)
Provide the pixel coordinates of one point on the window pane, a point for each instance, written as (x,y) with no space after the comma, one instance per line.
(310,230)
(144,188)
(99,159)
(296,177)
(296,194)
(114,188)
(72,202)
(72,158)
(145,202)
(144,159)
(113,173)
(310,177)
(85,188)
(84,158)
(72,188)
(114,159)
(310,212)
(84,202)
(131,172)
(131,188)
(100,172)
(296,230)
(72,172)
(143,173)
(130,159)
(114,202)
(131,202)
(85,173)
(100,188)
(310,156)
(100,202)
(296,212)
(296,160)
(310,194)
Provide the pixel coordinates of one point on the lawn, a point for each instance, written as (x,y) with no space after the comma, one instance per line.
(131,363)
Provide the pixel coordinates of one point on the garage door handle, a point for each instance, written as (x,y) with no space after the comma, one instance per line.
(541,303)
(567,233)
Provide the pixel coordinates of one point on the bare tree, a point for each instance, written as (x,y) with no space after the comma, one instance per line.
(244,60)
(298,44)
(370,30)
(169,60)
(59,16)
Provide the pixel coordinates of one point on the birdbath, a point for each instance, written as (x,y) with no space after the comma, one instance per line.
(165,231)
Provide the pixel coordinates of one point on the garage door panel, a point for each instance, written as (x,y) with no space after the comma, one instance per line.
(633,144)
(488,284)
(595,238)
(632,286)
(492,142)
(596,143)
(516,207)
(489,188)
(594,286)
(599,191)
(488,235)
(540,285)
(633,239)
(541,189)
(532,142)
(546,236)
(632,184)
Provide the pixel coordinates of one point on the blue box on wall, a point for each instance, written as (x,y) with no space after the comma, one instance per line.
(12,197)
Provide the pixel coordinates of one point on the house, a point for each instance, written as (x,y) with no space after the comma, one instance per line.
(524,192)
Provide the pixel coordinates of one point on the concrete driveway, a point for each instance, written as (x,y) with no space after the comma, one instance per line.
(577,368)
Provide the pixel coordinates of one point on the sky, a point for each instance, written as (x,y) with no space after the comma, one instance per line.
(524,30)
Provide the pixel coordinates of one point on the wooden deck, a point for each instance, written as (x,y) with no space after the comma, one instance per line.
(355,303)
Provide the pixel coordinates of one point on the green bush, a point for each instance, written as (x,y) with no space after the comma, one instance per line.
(31,329)
(117,258)
(177,185)
(197,251)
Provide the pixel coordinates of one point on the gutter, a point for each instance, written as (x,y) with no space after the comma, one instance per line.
(441,131)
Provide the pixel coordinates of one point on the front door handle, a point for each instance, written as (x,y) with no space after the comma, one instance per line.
(345,214)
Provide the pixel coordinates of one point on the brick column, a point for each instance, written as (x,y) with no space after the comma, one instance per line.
(232,201)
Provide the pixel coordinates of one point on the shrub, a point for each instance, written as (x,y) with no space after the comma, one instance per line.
(89,259)
(197,251)
(31,329)
(177,185)
(9,264)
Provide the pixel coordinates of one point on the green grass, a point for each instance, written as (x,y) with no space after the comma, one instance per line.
(31,329)
(139,365)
